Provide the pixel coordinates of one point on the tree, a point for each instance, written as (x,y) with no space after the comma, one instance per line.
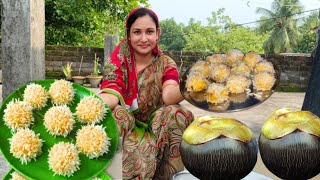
(199,38)
(281,22)
(220,35)
(171,35)
(85,22)
(309,34)
(205,38)
(243,38)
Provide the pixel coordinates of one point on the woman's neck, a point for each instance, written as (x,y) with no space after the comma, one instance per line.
(143,59)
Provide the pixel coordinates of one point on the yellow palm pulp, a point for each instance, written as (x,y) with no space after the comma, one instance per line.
(217,93)
(206,128)
(196,82)
(202,67)
(284,121)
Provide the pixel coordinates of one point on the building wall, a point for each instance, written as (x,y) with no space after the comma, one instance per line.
(294,68)
(59,56)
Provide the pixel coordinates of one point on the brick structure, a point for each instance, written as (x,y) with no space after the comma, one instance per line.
(295,68)
(59,56)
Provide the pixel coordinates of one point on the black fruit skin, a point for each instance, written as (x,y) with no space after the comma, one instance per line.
(219,159)
(294,156)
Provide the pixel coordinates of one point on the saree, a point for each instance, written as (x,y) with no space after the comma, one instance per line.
(151,131)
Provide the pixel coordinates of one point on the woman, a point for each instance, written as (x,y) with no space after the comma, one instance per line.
(142,89)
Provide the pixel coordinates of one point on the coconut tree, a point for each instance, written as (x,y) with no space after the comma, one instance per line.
(281,23)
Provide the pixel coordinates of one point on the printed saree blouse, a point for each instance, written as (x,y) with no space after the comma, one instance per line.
(139,93)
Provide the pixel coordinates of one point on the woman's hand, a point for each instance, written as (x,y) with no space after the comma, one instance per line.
(171,93)
(110,99)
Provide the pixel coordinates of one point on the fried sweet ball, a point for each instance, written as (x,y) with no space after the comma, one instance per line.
(233,55)
(36,96)
(25,145)
(61,92)
(219,72)
(220,107)
(93,141)
(16,176)
(202,67)
(196,82)
(251,59)
(18,114)
(90,110)
(264,66)
(263,81)
(216,58)
(238,83)
(217,93)
(241,68)
(198,96)
(63,159)
(59,121)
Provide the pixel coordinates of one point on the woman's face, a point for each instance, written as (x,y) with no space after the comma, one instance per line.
(144,35)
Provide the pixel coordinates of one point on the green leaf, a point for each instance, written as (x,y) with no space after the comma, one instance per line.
(103,175)
(39,168)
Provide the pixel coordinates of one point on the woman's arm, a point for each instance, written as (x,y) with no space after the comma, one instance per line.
(110,99)
(171,92)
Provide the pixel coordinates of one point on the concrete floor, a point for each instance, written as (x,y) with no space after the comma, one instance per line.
(253,118)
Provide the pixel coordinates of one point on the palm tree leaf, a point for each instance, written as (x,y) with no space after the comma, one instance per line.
(282,25)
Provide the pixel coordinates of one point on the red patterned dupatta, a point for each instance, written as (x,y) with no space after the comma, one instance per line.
(120,77)
(120,73)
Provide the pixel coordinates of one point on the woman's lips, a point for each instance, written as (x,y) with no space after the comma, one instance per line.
(143,46)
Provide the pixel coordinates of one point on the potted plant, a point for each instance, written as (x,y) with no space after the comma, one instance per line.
(79,79)
(95,78)
(67,71)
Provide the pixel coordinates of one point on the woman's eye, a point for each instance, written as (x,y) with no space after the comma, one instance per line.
(150,32)
(136,32)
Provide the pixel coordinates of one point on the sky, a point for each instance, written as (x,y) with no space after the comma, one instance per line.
(240,11)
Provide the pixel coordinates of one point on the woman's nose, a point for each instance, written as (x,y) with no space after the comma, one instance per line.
(144,37)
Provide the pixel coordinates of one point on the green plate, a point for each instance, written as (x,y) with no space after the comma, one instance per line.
(39,168)
(103,175)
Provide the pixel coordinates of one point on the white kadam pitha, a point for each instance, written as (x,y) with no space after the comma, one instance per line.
(61,92)
(64,159)
(93,141)
(263,81)
(90,110)
(18,114)
(36,96)
(17,176)
(25,145)
(59,121)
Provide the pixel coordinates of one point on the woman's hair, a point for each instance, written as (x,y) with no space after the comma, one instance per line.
(139,12)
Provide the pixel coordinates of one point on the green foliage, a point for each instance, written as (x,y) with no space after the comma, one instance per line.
(67,71)
(200,38)
(221,35)
(172,35)
(96,66)
(282,25)
(245,39)
(85,22)
(220,21)
(311,22)
(307,44)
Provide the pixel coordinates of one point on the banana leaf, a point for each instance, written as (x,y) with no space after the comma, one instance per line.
(39,168)
(103,175)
